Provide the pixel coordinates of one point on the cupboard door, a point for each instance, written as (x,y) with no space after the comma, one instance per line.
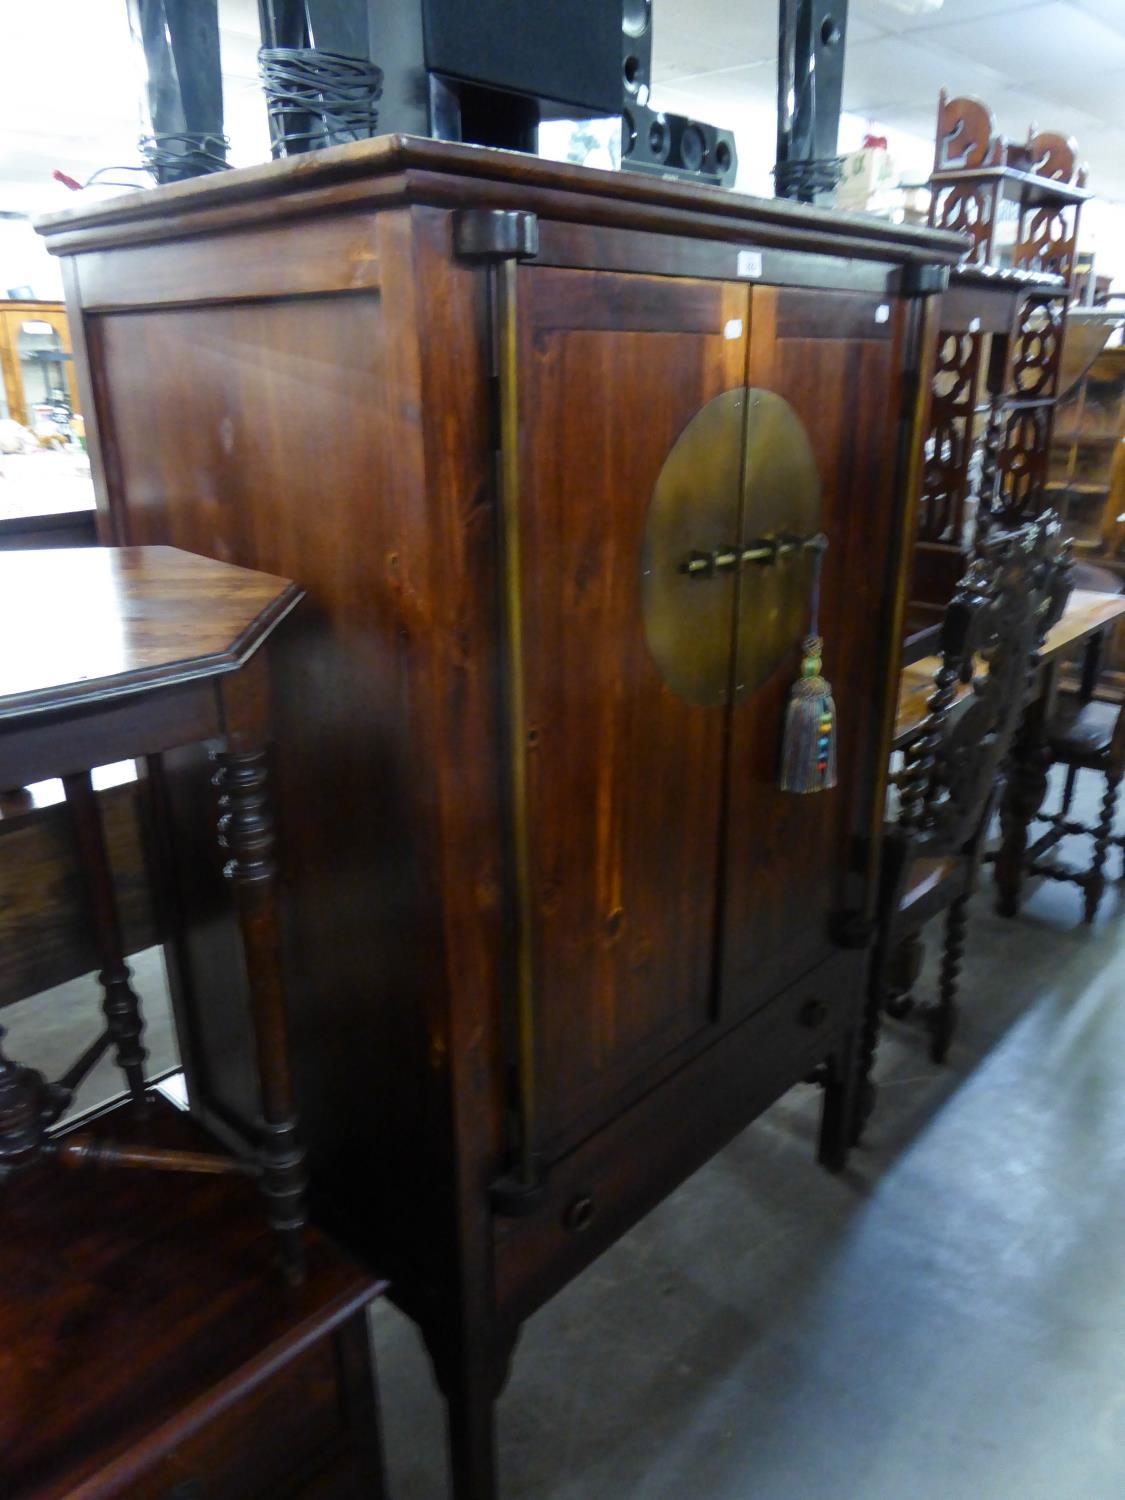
(794,862)
(624,776)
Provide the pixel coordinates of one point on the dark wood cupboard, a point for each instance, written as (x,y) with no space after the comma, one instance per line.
(544,446)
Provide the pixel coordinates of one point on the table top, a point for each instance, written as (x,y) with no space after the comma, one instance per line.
(81,625)
(1086,612)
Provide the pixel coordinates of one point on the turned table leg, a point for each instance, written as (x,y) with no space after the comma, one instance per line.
(246,832)
(120,1003)
(1026,787)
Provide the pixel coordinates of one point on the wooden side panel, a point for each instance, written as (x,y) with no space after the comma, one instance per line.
(790,859)
(45,931)
(286,434)
(624,776)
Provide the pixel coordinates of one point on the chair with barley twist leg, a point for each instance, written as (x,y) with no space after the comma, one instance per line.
(1014,591)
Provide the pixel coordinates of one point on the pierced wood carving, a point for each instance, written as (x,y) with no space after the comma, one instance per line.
(1022,464)
(1047,239)
(949,443)
(1055,156)
(1015,590)
(966,135)
(967,208)
(1035,348)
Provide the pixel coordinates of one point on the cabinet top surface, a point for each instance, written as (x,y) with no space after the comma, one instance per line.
(86,623)
(396,168)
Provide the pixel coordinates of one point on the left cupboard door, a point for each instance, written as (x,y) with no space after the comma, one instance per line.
(624,775)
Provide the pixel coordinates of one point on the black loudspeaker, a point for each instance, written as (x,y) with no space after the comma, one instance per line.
(487,72)
(674,146)
(810,81)
(636,49)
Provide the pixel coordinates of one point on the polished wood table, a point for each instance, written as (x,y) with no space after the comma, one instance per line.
(149,1343)
(114,653)
(1088,615)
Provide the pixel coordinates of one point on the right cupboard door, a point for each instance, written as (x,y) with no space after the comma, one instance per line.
(792,862)
(624,775)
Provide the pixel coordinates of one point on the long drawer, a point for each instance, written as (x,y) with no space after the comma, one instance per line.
(604,1186)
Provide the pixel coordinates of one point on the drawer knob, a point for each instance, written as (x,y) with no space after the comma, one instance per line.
(812,1014)
(580,1214)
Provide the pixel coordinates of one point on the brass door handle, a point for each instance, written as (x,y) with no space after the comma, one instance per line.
(766,551)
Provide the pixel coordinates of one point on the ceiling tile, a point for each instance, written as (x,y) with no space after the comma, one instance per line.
(890,17)
(895,70)
(1101,95)
(744,33)
(712,93)
(1052,41)
(679,54)
(1110,12)
(678,51)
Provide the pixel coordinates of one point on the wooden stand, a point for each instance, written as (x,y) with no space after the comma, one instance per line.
(999,354)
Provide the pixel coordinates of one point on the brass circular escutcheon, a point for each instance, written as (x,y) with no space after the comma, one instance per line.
(742,471)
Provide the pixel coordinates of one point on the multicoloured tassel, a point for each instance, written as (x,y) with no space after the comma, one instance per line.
(808,747)
(808,750)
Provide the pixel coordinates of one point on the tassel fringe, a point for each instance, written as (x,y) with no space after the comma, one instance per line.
(808,750)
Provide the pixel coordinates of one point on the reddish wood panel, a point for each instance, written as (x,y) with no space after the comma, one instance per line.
(286,435)
(161,1343)
(625,778)
(789,857)
(306,450)
(45,936)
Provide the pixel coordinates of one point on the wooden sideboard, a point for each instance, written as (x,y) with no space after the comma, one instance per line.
(553,934)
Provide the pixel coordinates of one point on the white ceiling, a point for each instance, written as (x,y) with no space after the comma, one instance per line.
(1058,64)
(69,84)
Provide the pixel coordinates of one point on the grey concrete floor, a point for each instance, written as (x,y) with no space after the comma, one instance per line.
(50,1031)
(944,1321)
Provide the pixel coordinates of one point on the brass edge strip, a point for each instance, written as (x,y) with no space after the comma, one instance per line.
(919,355)
(506,283)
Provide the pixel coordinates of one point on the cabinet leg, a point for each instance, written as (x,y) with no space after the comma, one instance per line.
(838,1108)
(472,1445)
(471,1379)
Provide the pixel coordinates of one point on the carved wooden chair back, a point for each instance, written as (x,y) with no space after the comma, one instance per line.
(1014,591)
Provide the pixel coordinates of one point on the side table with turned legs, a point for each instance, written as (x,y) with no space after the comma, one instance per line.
(173,1278)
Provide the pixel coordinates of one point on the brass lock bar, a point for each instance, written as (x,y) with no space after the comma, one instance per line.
(765,551)
(742,469)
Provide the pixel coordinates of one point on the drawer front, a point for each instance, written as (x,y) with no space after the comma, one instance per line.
(265,1443)
(603,1187)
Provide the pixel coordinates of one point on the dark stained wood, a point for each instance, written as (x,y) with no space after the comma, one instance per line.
(340,259)
(625,777)
(44,936)
(147,1340)
(350,439)
(1014,592)
(94,623)
(119,1000)
(164,649)
(438,171)
(793,869)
